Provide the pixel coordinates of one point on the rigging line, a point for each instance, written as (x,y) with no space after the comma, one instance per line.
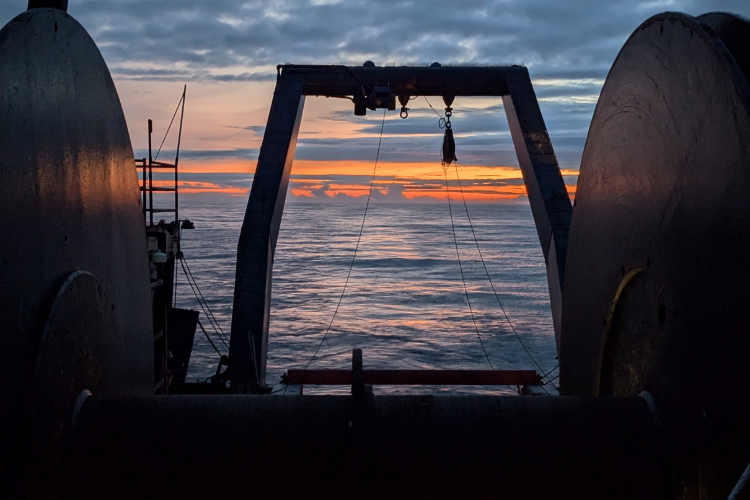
(182,98)
(476,242)
(222,340)
(430,105)
(194,286)
(356,247)
(549,372)
(460,266)
(201,304)
(351,265)
(218,326)
(209,338)
(210,313)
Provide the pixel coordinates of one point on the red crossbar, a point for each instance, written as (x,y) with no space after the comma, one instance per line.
(416,377)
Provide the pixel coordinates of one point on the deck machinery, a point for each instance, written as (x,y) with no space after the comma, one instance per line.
(547,194)
(647,282)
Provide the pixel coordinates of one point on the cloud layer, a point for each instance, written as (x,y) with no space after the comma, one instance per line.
(222,44)
(242,40)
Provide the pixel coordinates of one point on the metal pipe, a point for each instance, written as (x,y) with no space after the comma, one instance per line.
(177,160)
(416,377)
(407,447)
(150,174)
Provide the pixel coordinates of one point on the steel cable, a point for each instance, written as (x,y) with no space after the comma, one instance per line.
(210,312)
(354,256)
(209,338)
(484,265)
(193,288)
(170,126)
(460,267)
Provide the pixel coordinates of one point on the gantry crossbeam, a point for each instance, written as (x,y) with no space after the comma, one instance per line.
(341,81)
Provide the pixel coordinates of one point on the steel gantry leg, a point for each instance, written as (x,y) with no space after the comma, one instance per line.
(260,229)
(548,197)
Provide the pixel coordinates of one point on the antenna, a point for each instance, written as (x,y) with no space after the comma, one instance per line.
(177,154)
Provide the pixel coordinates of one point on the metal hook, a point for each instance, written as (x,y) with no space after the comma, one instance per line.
(404,113)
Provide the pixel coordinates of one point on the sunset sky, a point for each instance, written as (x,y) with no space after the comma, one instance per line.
(226,52)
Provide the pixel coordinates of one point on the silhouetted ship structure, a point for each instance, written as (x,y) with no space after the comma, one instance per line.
(647,276)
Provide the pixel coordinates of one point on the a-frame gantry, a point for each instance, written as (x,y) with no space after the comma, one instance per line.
(374,87)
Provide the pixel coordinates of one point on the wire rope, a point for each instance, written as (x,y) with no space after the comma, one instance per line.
(193,288)
(484,265)
(209,338)
(442,124)
(170,126)
(461,268)
(209,311)
(549,372)
(435,110)
(354,256)
(356,247)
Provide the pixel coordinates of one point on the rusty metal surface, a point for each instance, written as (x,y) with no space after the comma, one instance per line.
(415,377)
(68,201)
(178,447)
(656,288)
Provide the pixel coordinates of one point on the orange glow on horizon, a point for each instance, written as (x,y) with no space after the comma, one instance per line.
(414,179)
(230,166)
(223,130)
(193,187)
(420,170)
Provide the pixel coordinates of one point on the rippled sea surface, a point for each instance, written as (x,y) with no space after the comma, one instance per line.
(405,304)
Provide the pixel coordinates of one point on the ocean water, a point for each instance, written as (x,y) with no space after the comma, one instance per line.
(405,304)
